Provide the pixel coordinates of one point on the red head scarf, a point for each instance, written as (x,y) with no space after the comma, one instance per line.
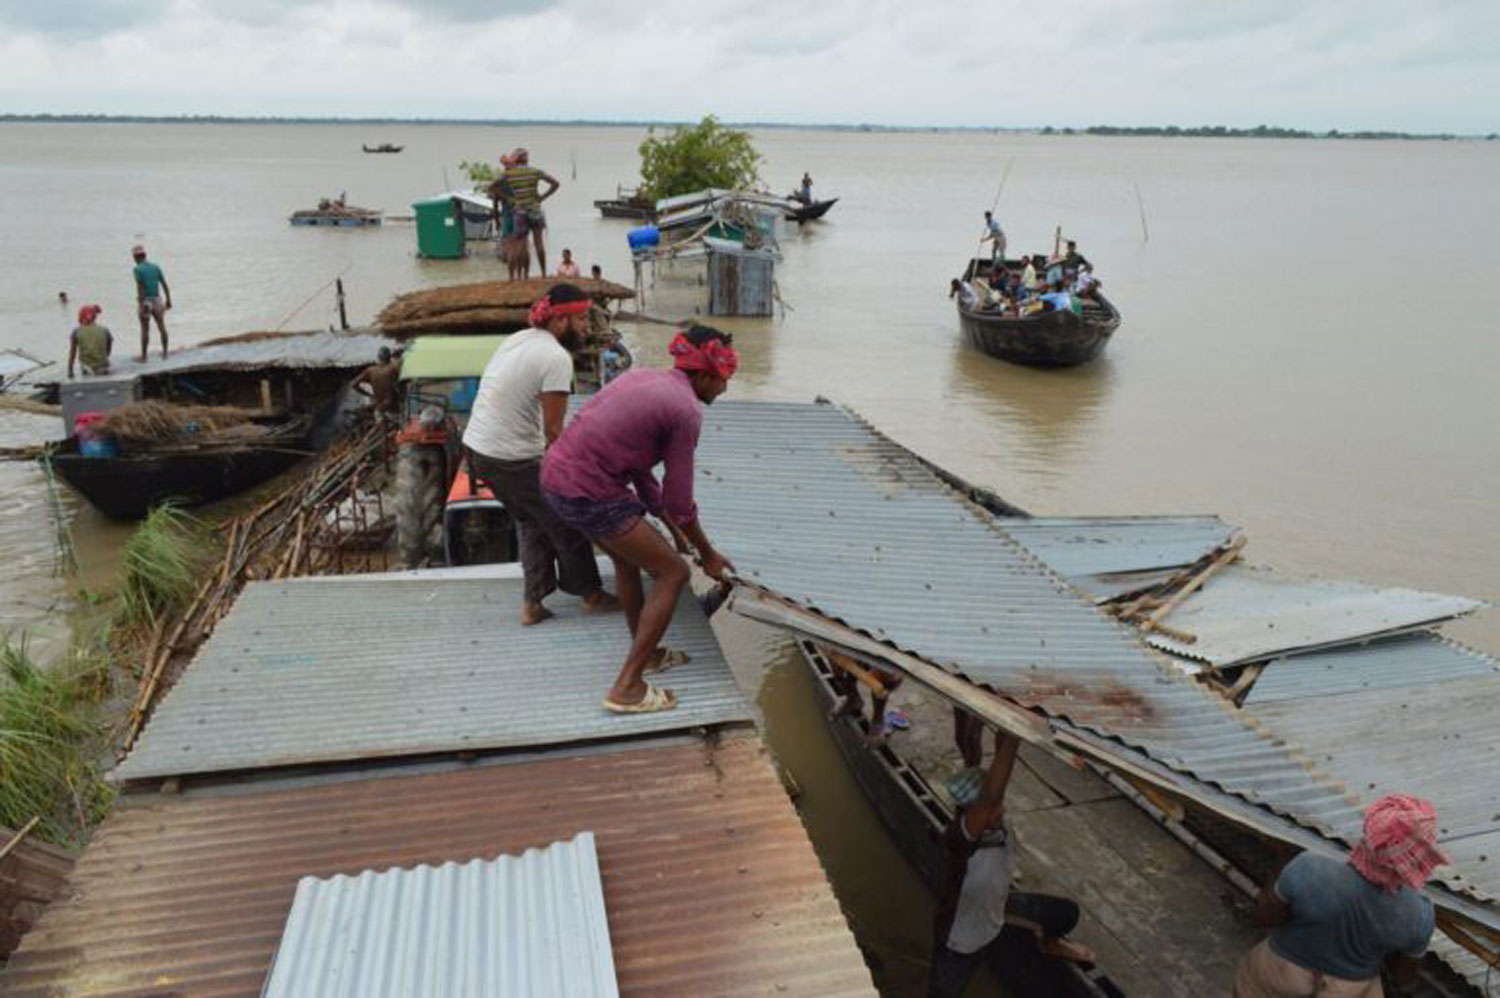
(1399,847)
(88,314)
(563,299)
(714,356)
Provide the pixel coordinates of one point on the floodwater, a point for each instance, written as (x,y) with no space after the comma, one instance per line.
(1308,345)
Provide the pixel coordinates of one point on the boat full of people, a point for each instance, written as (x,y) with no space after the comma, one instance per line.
(1035,310)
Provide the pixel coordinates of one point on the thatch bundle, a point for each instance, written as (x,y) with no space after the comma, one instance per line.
(154,422)
(470,320)
(486,295)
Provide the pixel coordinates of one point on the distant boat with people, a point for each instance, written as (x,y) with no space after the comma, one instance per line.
(333,211)
(383,147)
(1037,333)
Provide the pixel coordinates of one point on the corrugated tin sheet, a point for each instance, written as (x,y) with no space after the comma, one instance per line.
(308,671)
(1408,660)
(510,927)
(1108,556)
(1248,614)
(350,349)
(710,883)
(814,506)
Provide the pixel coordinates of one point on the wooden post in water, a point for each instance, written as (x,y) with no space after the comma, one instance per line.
(1141,204)
(1057,243)
(338,283)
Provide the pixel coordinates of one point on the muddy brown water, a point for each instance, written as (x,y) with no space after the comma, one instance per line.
(1308,345)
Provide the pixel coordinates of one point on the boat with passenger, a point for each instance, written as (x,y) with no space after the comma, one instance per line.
(1035,311)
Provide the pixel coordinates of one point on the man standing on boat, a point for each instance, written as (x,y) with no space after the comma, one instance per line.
(90,343)
(380,382)
(598,479)
(518,414)
(976,900)
(150,289)
(524,181)
(996,235)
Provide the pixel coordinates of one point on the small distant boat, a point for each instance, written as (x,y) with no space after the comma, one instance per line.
(799,212)
(383,147)
(1044,339)
(627,204)
(337,213)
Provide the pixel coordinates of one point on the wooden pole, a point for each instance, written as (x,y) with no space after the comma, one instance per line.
(338,282)
(1141,204)
(1229,554)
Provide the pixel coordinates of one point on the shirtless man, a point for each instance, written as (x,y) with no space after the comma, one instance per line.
(380,383)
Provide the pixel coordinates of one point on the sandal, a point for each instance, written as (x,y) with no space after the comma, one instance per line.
(665,658)
(655,700)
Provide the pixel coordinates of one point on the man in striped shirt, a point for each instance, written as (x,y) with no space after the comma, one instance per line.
(524,181)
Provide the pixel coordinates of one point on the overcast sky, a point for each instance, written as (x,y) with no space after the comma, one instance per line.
(1360,64)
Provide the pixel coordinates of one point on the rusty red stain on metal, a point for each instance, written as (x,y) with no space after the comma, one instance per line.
(1084,701)
(710,883)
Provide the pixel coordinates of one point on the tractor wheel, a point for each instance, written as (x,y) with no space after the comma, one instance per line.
(419,503)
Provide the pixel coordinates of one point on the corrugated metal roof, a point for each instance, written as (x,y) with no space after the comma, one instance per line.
(307,671)
(1247,614)
(1093,552)
(813,505)
(1408,660)
(1440,742)
(349,349)
(710,883)
(510,927)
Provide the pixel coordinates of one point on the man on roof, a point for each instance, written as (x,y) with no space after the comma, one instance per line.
(517,415)
(90,343)
(153,298)
(524,181)
(598,479)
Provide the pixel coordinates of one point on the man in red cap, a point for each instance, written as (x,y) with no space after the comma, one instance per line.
(598,479)
(1335,925)
(90,343)
(518,413)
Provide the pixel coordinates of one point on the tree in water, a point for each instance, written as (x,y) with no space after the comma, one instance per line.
(692,157)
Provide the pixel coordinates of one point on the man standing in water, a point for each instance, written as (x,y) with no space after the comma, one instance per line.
(598,479)
(524,181)
(90,343)
(150,286)
(518,414)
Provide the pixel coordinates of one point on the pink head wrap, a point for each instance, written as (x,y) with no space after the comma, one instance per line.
(715,357)
(1399,847)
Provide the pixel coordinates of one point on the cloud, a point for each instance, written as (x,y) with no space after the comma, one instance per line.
(1316,64)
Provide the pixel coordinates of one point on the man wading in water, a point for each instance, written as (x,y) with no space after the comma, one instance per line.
(597,478)
(518,414)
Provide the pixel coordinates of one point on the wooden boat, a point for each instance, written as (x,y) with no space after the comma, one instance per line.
(632,207)
(1046,339)
(917,817)
(334,213)
(800,212)
(383,147)
(127,486)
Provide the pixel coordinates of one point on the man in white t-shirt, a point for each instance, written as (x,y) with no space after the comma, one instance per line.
(518,413)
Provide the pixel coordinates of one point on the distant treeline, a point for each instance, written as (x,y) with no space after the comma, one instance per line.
(1171,131)
(1258,132)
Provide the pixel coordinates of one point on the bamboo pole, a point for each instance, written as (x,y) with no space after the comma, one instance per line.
(1197,582)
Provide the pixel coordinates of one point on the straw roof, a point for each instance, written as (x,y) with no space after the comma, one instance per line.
(490,295)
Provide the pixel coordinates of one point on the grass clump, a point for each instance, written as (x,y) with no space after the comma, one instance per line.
(160,565)
(50,740)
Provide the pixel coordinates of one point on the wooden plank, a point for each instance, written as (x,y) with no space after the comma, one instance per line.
(1226,556)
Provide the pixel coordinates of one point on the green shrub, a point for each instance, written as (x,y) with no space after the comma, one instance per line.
(160,565)
(693,157)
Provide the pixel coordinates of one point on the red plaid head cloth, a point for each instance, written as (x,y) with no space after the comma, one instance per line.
(1399,847)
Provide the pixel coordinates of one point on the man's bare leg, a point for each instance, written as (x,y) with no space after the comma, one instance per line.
(161,325)
(644,549)
(145,318)
(538,237)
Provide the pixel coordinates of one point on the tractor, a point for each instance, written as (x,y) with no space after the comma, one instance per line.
(443,516)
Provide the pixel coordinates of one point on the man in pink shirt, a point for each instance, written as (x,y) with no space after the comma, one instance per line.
(598,479)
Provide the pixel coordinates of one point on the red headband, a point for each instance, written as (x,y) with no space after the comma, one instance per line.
(715,356)
(88,314)
(544,310)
